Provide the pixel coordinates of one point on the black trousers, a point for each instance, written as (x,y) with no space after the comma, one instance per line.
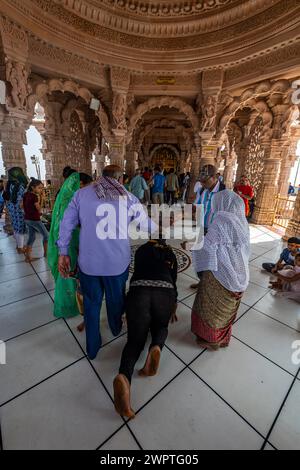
(171,196)
(147,309)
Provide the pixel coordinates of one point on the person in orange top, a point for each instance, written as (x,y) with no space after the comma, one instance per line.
(245,190)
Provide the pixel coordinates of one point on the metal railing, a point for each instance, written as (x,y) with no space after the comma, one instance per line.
(284,208)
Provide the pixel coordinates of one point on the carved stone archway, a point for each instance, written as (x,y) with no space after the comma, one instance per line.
(159,102)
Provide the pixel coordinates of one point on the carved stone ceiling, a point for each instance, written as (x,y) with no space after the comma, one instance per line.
(173,36)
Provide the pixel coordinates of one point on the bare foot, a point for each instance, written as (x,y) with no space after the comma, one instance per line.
(81,327)
(152,362)
(195,286)
(122,397)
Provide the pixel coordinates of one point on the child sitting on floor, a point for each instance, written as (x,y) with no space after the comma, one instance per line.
(287,257)
(288,280)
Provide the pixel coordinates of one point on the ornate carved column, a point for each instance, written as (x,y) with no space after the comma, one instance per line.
(55,151)
(209,149)
(242,153)
(120,81)
(117,151)
(100,154)
(195,168)
(288,161)
(15,73)
(293,229)
(230,163)
(131,161)
(268,191)
(13,137)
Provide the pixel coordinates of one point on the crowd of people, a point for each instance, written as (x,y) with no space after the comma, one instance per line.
(88,267)
(158,186)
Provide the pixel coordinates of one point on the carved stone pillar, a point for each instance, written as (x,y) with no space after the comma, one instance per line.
(195,170)
(268,191)
(288,161)
(55,150)
(100,162)
(183,161)
(293,229)
(117,152)
(209,149)
(131,162)
(242,159)
(13,137)
(229,170)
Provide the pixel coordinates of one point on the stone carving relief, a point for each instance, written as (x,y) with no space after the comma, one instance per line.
(208,114)
(119,110)
(41,89)
(17,76)
(76,152)
(14,38)
(122,16)
(253,98)
(120,78)
(104,122)
(254,164)
(173,35)
(42,51)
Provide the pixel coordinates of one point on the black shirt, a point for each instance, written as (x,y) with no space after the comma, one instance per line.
(155,262)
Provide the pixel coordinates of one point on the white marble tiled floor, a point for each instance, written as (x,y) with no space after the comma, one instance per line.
(52,397)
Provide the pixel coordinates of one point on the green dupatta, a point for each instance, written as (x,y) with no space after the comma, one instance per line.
(65,304)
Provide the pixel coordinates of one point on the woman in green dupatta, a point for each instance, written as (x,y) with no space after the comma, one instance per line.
(65,304)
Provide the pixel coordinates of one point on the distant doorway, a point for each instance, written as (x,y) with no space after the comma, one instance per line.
(165,158)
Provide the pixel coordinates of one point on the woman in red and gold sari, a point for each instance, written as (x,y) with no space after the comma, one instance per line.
(222,265)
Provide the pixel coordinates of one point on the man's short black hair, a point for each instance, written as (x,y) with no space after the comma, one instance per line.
(85,178)
(294,240)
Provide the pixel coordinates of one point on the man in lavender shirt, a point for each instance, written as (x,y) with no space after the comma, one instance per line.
(104,211)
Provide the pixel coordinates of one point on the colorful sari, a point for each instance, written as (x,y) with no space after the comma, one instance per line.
(65,304)
(214,311)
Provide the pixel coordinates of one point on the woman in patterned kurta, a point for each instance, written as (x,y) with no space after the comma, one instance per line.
(15,189)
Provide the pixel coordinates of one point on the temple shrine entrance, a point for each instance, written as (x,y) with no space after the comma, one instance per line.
(166,158)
